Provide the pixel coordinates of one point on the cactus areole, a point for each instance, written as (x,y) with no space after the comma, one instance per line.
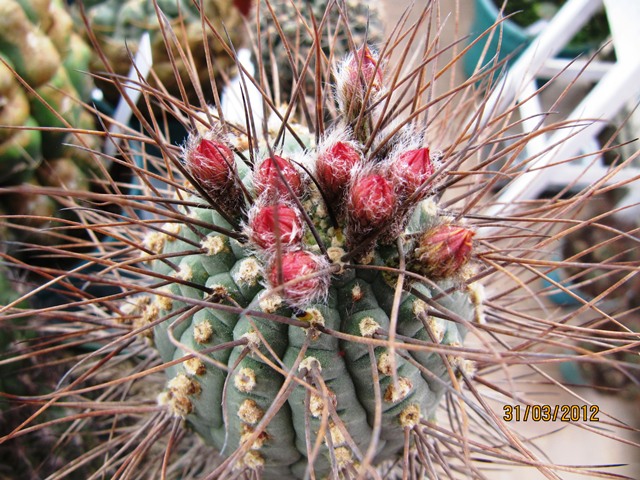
(313,322)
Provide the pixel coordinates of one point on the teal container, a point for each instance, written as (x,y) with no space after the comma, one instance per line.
(513,39)
(507,39)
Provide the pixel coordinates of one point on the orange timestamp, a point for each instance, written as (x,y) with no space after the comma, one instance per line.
(551,413)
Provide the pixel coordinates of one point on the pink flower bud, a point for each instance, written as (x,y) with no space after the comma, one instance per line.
(362,69)
(272,222)
(444,250)
(358,86)
(411,169)
(293,266)
(210,164)
(371,201)
(333,168)
(269,178)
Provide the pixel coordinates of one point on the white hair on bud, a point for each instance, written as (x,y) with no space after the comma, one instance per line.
(341,74)
(256,208)
(308,288)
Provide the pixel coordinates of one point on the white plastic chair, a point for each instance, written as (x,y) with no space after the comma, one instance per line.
(618,85)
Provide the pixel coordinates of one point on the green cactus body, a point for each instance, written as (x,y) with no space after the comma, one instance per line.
(37,43)
(19,155)
(77,64)
(33,54)
(59,95)
(243,334)
(345,365)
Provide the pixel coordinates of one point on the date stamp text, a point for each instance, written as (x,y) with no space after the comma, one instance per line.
(551,413)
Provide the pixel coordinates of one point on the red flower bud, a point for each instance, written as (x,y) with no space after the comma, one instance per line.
(371,201)
(443,251)
(358,86)
(362,70)
(244,6)
(275,221)
(293,266)
(370,208)
(333,168)
(357,79)
(212,166)
(210,163)
(411,169)
(269,177)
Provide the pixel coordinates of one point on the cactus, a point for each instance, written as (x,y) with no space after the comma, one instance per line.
(302,271)
(300,297)
(287,43)
(119,24)
(42,84)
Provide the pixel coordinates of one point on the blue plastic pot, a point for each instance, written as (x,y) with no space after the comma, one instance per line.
(508,37)
(511,38)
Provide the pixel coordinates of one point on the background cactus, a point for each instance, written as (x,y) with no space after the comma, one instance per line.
(119,24)
(286,39)
(38,43)
(273,271)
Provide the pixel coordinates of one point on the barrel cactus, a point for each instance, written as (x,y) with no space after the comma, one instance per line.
(324,231)
(316,290)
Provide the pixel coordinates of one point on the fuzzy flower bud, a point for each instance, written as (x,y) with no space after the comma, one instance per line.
(271,222)
(360,71)
(270,174)
(371,205)
(210,163)
(333,168)
(371,201)
(443,251)
(411,169)
(358,84)
(292,268)
(212,166)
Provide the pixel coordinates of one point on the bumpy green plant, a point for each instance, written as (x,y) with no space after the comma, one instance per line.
(320,246)
(300,297)
(42,84)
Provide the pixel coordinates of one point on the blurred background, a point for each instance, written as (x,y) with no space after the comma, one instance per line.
(561,445)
